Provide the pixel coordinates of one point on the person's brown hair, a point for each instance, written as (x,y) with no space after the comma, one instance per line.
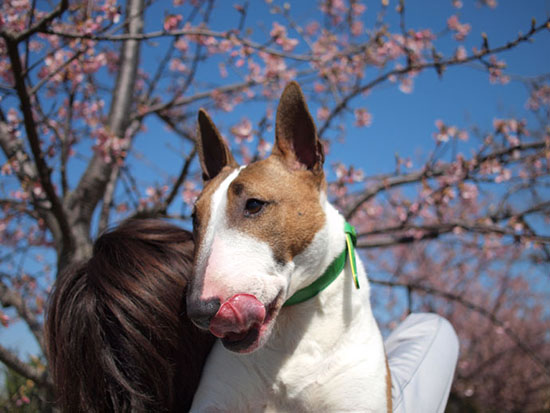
(118,338)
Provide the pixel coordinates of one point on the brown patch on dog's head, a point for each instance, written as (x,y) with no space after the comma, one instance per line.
(291,213)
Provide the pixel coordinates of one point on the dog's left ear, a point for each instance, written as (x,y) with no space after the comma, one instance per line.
(214,154)
(295,136)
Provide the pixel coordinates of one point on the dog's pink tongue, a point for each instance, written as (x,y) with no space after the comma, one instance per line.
(237,315)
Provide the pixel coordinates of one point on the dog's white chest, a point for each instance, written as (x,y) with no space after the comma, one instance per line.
(340,376)
(325,366)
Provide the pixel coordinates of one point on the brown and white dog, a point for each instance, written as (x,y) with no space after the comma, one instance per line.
(262,232)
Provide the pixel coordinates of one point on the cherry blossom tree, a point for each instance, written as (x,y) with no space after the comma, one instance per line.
(92,91)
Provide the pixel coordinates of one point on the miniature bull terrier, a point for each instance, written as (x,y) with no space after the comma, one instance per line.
(275,279)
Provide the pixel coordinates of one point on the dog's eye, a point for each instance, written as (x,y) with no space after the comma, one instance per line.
(253,206)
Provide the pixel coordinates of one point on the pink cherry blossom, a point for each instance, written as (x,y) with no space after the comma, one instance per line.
(190,193)
(4,319)
(357,28)
(461,29)
(243,131)
(172,21)
(540,97)
(362,117)
(446,132)
(461,53)
(278,32)
(496,68)
(323,113)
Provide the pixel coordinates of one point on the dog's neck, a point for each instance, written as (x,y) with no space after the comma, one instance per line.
(307,333)
(325,247)
(328,315)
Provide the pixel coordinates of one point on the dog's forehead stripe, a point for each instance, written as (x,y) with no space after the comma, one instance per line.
(217,204)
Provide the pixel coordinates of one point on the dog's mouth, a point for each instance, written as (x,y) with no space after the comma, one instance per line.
(243,322)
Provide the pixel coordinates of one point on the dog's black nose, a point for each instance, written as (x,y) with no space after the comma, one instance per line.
(201,311)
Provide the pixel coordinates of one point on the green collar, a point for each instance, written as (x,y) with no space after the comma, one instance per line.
(332,272)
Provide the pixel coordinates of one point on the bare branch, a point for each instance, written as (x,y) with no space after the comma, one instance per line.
(171,122)
(161,208)
(392,182)
(199,47)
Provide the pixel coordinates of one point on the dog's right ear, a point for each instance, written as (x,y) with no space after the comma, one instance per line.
(214,154)
(296,140)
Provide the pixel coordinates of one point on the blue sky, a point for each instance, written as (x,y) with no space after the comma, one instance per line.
(402,123)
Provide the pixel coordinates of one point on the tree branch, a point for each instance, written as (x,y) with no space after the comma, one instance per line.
(110,190)
(228,35)
(236,87)
(545,369)
(438,65)
(14,151)
(108,197)
(20,207)
(41,378)
(42,169)
(181,178)
(435,230)
(93,182)
(42,24)
(198,48)
(27,175)
(10,297)
(433,172)
(50,75)
(173,124)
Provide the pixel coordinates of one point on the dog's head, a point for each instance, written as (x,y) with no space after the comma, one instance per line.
(254,227)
